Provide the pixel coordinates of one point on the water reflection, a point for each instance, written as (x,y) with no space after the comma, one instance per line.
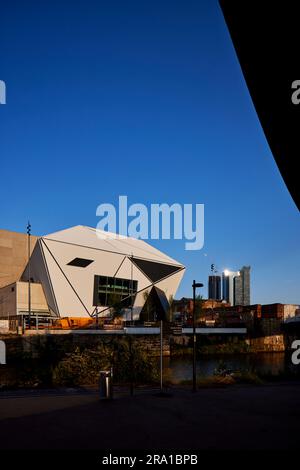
(180,368)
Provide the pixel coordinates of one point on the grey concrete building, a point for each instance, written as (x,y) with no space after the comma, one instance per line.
(242,287)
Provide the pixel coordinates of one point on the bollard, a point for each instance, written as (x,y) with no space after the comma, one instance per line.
(105,385)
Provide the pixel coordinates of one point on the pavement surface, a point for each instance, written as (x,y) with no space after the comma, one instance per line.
(236,417)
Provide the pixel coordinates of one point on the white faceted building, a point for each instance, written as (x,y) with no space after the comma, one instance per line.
(84,271)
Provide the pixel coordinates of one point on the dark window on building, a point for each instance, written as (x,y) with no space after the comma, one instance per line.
(109,291)
(155,271)
(80,262)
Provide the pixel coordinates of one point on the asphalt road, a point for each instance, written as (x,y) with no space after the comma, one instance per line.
(237,417)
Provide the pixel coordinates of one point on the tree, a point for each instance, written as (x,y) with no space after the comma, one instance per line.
(116,307)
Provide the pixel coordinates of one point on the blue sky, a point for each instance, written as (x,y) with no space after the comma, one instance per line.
(144,99)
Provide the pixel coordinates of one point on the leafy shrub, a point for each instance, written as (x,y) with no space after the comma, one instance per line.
(128,360)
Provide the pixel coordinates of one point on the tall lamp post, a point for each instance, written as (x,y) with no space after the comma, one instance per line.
(29,275)
(195,286)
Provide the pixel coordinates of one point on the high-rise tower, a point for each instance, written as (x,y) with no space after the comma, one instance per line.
(242,287)
(214,287)
(228,284)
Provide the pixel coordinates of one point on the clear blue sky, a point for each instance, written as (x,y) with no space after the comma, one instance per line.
(146,99)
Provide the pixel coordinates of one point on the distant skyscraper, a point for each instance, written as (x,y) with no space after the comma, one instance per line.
(214,287)
(228,285)
(242,287)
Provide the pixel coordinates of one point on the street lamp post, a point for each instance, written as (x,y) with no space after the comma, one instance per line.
(195,286)
(29,275)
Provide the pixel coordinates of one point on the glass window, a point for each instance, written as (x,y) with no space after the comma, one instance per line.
(109,291)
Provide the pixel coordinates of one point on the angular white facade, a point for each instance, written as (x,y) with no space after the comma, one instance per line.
(84,270)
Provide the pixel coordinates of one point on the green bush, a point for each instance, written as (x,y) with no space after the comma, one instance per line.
(128,360)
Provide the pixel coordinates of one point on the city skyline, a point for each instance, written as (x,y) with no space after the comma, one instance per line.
(110,100)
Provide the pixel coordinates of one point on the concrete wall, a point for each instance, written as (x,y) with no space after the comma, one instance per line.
(38,300)
(34,346)
(13,255)
(14,298)
(8,301)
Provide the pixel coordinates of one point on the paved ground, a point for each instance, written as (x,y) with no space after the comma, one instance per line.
(247,417)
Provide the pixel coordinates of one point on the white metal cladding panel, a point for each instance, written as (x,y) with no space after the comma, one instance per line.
(71,288)
(67,301)
(141,249)
(129,271)
(87,236)
(102,262)
(106,264)
(171,283)
(39,273)
(82,279)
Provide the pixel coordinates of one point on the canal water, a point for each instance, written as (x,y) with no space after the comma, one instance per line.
(178,369)
(264,364)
